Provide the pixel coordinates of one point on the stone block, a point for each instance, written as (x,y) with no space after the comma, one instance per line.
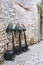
(32,41)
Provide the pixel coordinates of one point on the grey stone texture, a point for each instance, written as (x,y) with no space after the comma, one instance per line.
(22,12)
(34,56)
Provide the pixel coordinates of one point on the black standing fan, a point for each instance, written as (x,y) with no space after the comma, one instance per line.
(24,46)
(9,54)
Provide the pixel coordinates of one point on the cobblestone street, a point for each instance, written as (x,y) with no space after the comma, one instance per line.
(34,56)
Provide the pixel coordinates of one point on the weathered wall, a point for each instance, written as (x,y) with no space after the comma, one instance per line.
(19,11)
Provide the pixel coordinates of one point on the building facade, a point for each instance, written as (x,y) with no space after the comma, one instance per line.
(23,12)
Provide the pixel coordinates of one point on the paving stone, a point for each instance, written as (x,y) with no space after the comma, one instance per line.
(31,57)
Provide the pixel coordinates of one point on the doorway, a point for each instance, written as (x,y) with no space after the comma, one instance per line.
(40,11)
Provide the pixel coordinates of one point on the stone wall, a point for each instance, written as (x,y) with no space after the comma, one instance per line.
(22,12)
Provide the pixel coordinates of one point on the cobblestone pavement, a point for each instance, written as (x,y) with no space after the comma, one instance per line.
(34,56)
